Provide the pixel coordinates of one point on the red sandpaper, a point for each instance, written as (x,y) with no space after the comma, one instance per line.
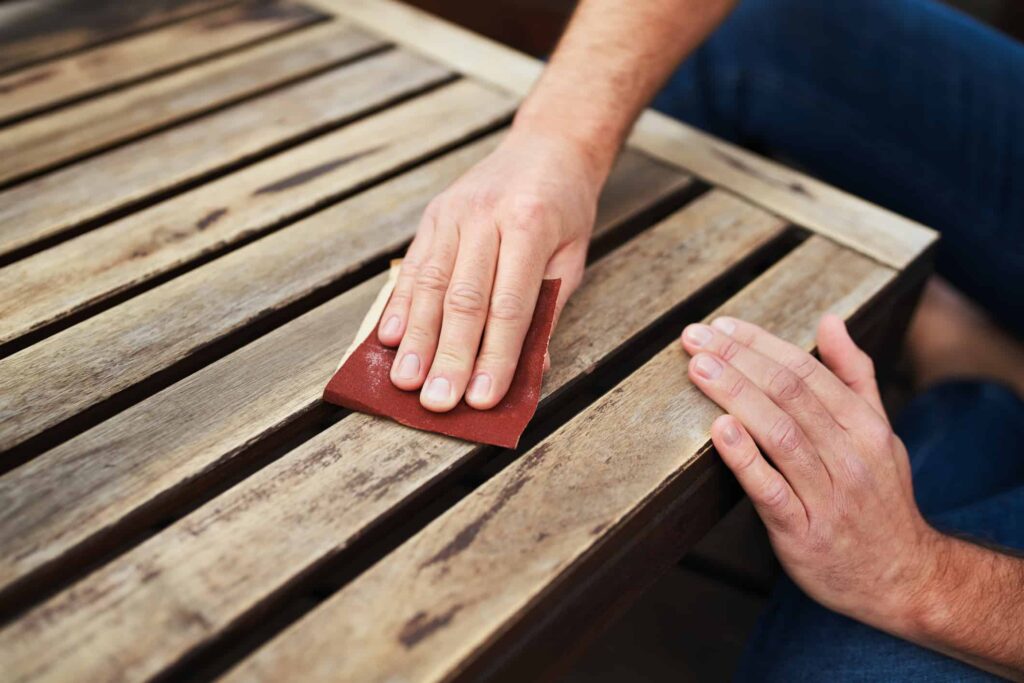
(363,383)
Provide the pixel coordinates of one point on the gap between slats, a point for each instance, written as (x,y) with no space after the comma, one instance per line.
(210,643)
(28,92)
(26,340)
(51,142)
(75,38)
(302,425)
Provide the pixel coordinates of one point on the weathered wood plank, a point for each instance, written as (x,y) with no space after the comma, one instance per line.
(872,230)
(430,607)
(44,141)
(148,54)
(67,372)
(112,472)
(31,30)
(57,282)
(71,197)
(201,574)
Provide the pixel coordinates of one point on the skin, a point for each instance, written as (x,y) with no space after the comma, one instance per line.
(810,444)
(469,282)
(834,490)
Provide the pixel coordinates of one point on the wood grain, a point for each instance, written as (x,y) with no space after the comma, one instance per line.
(71,197)
(869,229)
(110,473)
(59,281)
(44,141)
(431,606)
(62,375)
(31,30)
(148,54)
(209,569)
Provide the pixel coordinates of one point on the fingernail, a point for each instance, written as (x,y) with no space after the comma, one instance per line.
(438,390)
(391,326)
(479,387)
(698,335)
(707,367)
(409,368)
(724,324)
(730,434)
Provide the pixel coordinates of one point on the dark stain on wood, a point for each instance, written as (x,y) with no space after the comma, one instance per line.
(313,173)
(468,533)
(211,218)
(12,85)
(378,488)
(744,167)
(422,626)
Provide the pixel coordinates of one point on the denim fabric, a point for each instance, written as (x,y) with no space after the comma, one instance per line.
(918,108)
(906,103)
(966,444)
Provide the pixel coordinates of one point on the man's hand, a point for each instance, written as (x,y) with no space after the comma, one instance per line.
(470,280)
(835,494)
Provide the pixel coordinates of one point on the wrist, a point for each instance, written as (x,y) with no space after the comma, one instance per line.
(926,606)
(595,147)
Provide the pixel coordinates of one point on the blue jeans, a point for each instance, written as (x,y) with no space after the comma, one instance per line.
(920,109)
(906,103)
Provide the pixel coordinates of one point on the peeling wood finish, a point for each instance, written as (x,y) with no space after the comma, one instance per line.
(532,522)
(112,471)
(318,498)
(869,229)
(147,54)
(44,141)
(86,270)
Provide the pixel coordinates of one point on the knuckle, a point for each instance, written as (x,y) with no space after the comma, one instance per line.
(448,357)
(737,387)
(774,494)
(784,435)
(496,362)
(466,299)
(526,211)
(730,348)
(803,365)
(432,278)
(784,385)
(508,306)
(418,336)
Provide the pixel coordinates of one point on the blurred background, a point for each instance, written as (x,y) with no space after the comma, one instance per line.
(691,626)
(534,25)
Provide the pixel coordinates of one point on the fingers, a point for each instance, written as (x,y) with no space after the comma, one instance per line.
(464,312)
(517,284)
(396,314)
(429,286)
(830,390)
(778,433)
(772,496)
(783,386)
(849,363)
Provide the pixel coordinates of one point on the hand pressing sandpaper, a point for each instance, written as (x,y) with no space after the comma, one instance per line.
(363,381)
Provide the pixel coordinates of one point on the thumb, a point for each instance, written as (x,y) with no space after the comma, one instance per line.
(848,361)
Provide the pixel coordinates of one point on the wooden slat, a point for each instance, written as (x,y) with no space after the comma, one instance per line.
(869,229)
(430,607)
(107,66)
(210,568)
(110,473)
(57,282)
(49,139)
(73,196)
(31,30)
(56,378)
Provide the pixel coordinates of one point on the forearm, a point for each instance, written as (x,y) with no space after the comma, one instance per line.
(971,606)
(609,64)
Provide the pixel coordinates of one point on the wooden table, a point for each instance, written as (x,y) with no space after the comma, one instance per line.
(199,200)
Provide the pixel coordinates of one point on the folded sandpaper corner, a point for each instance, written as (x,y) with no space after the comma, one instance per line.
(363,383)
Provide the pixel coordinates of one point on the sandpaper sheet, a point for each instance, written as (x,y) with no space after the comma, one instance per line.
(363,382)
